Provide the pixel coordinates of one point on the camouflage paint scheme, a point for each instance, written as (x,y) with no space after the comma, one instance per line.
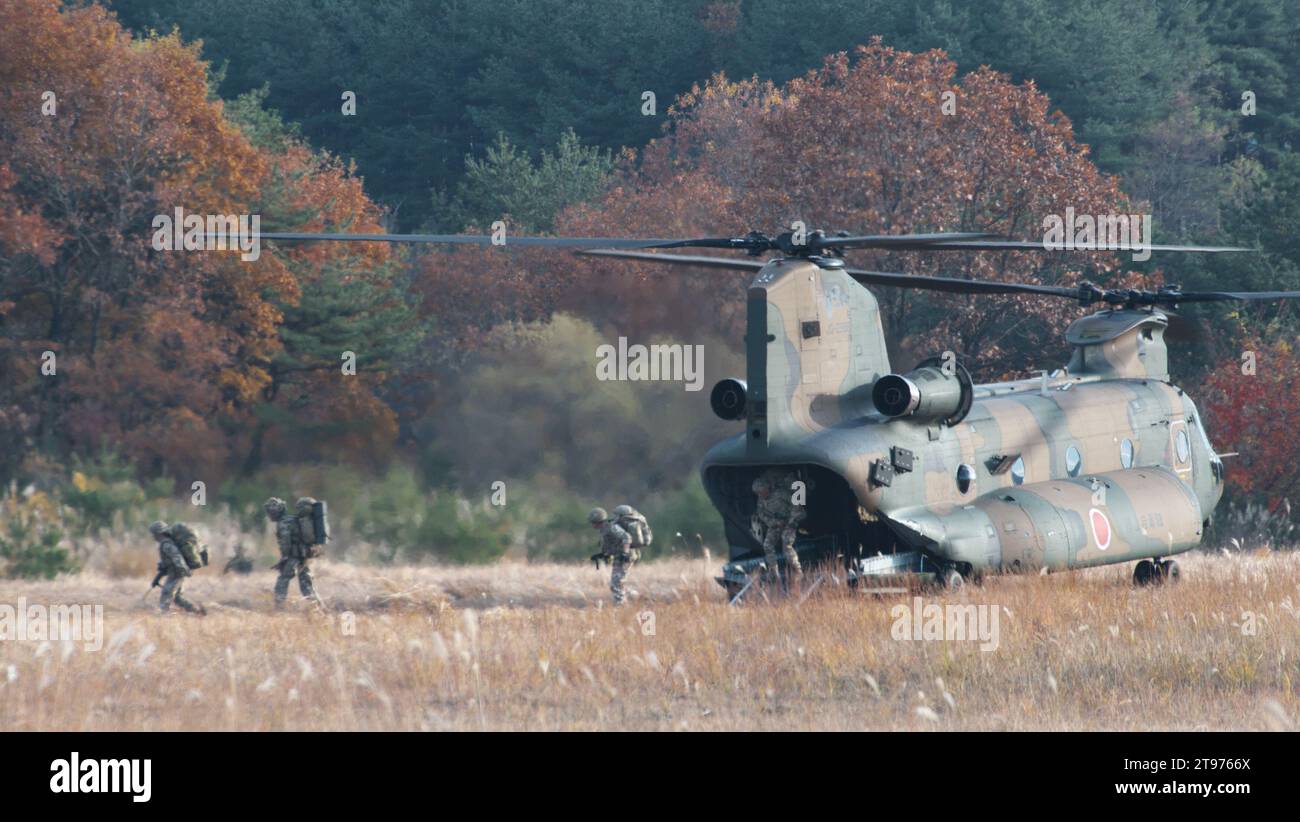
(815,347)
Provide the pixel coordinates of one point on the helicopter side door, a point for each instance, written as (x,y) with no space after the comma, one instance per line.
(1180,449)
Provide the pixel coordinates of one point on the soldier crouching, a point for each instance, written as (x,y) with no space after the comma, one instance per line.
(293,553)
(172,565)
(616,544)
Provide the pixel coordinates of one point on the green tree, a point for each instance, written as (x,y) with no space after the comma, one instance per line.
(349,312)
(1255,50)
(507,183)
(437,81)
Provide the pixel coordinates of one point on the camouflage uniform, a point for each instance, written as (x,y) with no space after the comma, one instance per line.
(779,518)
(616,544)
(172,564)
(293,554)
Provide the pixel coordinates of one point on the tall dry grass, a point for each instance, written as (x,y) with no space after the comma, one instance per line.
(537,647)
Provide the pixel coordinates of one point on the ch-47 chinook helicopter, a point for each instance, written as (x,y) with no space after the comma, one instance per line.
(926,474)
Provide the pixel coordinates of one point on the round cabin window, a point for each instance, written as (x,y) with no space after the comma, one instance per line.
(965,478)
(1073,461)
(1126,453)
(1018,471)
(1182,445)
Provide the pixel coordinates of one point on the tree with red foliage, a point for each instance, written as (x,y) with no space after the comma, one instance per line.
(1251,406)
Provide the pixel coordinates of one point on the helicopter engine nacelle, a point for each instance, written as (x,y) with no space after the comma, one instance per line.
(728,399)
(930,392)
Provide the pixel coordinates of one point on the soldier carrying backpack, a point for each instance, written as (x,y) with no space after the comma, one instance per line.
(300,536)
(623,537)
(179,556)
(313,524)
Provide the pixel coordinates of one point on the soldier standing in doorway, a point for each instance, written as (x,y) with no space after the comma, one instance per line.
(776,522)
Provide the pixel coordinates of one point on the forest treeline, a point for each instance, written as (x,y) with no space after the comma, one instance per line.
(121,364)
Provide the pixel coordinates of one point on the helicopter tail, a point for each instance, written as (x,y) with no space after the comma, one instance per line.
(814,348)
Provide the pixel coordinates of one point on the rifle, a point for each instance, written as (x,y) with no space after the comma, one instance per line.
(596,558)
(153,585)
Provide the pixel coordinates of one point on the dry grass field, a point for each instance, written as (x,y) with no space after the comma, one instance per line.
(538,648)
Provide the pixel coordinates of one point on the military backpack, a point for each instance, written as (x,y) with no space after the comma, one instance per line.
(188,543)
(636,526)
(313,527)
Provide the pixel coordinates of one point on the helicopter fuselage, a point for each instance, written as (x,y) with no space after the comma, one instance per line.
(1064,472)
(1104,461)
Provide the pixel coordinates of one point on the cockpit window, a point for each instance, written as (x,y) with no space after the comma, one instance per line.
(1126,453)
(1182,445)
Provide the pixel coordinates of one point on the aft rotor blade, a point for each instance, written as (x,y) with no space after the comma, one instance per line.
(950,284)
(1085,293)
(958,285)
(1215,296)
(906,242)
(472,239)
(680,259)
(1039,245)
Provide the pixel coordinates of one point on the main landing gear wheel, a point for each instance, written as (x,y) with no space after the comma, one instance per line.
(1169,571)
(1145,573)
(1158,572)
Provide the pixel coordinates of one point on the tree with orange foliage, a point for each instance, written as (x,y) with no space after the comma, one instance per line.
(167,354)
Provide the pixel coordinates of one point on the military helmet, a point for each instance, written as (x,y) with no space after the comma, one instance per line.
(274,506)
(597,515)
(157,528)
(624,511)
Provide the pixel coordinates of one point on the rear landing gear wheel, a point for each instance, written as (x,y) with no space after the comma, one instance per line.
(951,579)
(1170,572)
(1145,573)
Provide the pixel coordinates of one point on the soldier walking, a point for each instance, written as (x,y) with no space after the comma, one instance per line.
(173,566)
(616,545)
(778,518)
(294,553)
